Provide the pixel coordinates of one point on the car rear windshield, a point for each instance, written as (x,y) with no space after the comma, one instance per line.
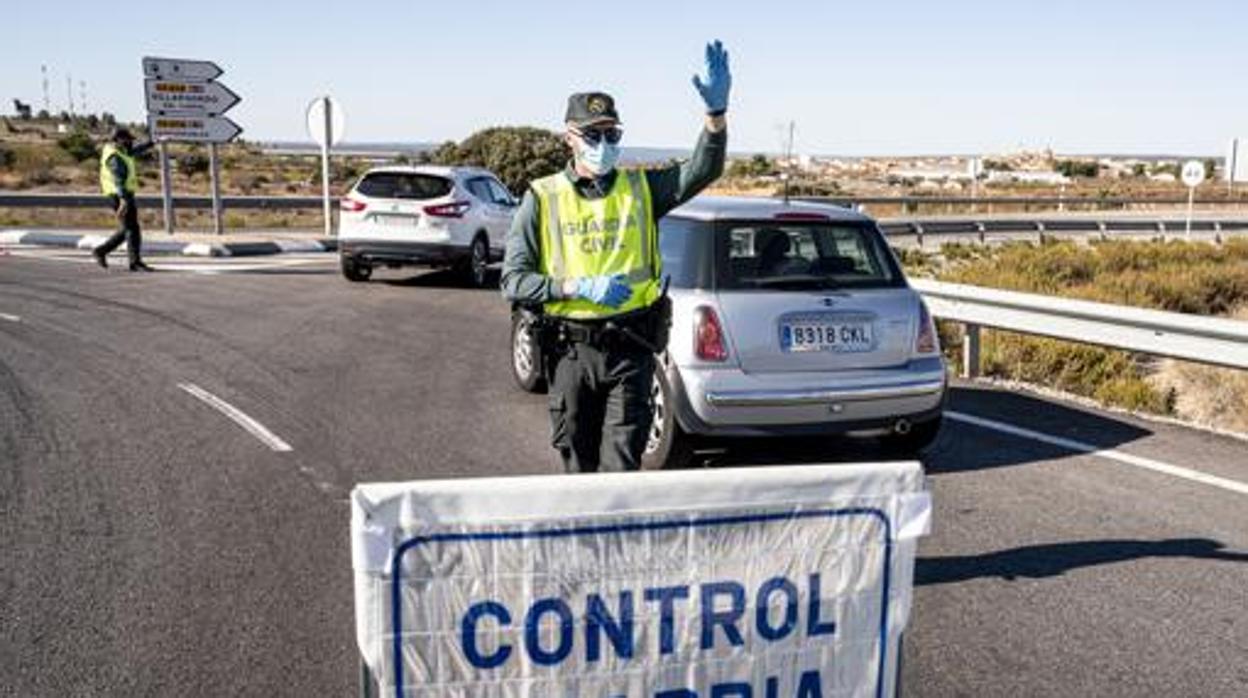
(402,185)
(806,256)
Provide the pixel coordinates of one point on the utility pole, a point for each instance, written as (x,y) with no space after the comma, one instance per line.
(47,101)
(82,96)
(69,91)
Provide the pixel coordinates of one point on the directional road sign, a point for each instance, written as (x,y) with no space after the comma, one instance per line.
(179,69)
(188,97)
(193,129)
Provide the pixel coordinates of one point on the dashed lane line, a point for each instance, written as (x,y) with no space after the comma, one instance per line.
(10,318)
(1108,453)
(240,418)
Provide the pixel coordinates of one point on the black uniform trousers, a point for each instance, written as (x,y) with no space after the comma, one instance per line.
(129,230)
(600,404)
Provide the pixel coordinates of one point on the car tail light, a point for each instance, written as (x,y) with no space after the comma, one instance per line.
(926,341)
(350,205)
(708,335)
(455,209)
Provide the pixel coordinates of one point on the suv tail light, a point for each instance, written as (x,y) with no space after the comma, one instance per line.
(350,205)
(926,342)
(455,209)
(708,335)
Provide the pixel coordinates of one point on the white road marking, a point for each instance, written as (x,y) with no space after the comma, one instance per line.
(1108,453)
(238,416)
(10,318)
(193,265)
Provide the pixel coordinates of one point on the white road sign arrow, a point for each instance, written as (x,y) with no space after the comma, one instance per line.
(189,97)
(180,69)
(194,129)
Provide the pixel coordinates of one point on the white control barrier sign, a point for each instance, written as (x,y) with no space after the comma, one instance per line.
(789,582)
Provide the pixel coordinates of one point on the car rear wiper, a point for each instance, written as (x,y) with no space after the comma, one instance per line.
(796,282)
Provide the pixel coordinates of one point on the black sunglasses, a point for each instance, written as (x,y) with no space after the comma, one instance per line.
(594,136)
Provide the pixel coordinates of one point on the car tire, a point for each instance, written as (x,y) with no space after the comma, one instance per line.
(528,365)
(668,447)
(355,270)
(476,267)
(918,439)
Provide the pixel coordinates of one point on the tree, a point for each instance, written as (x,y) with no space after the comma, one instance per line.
(1077,168)
(79,145)
(517,154)
(1211,167)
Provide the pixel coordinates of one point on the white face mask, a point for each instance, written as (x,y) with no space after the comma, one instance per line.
(598,159)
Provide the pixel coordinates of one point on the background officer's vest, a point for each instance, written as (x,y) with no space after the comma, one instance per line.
(592,237)
(106,175)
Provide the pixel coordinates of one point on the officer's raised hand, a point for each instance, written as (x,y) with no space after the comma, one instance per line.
(714,89)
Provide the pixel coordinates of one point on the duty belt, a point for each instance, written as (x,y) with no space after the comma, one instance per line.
(608,333)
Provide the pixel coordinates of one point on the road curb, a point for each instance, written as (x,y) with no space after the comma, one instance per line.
(165,247)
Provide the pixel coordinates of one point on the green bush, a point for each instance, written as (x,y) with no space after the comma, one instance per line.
(78,145)
(517,154)
(192,164)
(7,158)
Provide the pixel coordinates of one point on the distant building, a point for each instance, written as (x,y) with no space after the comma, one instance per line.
(1027,177)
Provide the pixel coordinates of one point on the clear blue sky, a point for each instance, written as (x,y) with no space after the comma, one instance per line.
(857,77)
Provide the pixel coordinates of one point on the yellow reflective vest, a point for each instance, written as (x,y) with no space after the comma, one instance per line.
(107,185)
(593,237)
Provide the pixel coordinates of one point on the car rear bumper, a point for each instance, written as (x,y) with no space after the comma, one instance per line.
(729,402)
(387,251)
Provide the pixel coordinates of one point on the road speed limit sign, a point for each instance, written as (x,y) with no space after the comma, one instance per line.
(1193,172)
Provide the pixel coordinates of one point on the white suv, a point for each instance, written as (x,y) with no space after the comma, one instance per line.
(428,215)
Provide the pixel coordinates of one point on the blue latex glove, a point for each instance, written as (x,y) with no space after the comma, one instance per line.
(718,80)
(611,291)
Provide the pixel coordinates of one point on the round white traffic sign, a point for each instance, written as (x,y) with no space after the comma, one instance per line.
(1193,172)
(318,124)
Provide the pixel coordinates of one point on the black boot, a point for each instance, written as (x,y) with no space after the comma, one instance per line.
(140,266)
(100,257)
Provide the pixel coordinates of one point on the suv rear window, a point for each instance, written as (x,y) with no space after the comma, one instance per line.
(403,185)
(804,256)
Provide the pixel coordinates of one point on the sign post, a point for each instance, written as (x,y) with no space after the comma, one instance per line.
(325,125)
(166,187)
(186,104)
(1193,175)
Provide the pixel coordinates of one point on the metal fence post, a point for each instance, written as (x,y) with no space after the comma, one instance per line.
(970,350)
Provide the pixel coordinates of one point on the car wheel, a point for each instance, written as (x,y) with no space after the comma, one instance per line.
(476,268)
(668,446)
(913,442)
(355,270)
(527,363)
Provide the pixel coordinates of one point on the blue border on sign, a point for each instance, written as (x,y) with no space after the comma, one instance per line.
(396,598)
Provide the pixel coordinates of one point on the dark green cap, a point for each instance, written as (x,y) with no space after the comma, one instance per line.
(589,108)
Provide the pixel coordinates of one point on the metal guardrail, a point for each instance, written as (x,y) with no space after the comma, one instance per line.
(1208,340)
(19,199)
(981,228)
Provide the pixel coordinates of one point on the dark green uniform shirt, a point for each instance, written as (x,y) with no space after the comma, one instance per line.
(522,279)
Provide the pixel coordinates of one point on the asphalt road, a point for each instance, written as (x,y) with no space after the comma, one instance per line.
(149,546)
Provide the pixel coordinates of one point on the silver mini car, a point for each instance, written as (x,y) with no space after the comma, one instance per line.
(789,319)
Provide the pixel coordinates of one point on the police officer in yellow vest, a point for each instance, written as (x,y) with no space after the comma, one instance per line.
(584,244)
(119,180)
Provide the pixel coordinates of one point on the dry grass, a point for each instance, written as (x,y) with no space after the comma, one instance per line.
(1175,276)
(1206,395)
